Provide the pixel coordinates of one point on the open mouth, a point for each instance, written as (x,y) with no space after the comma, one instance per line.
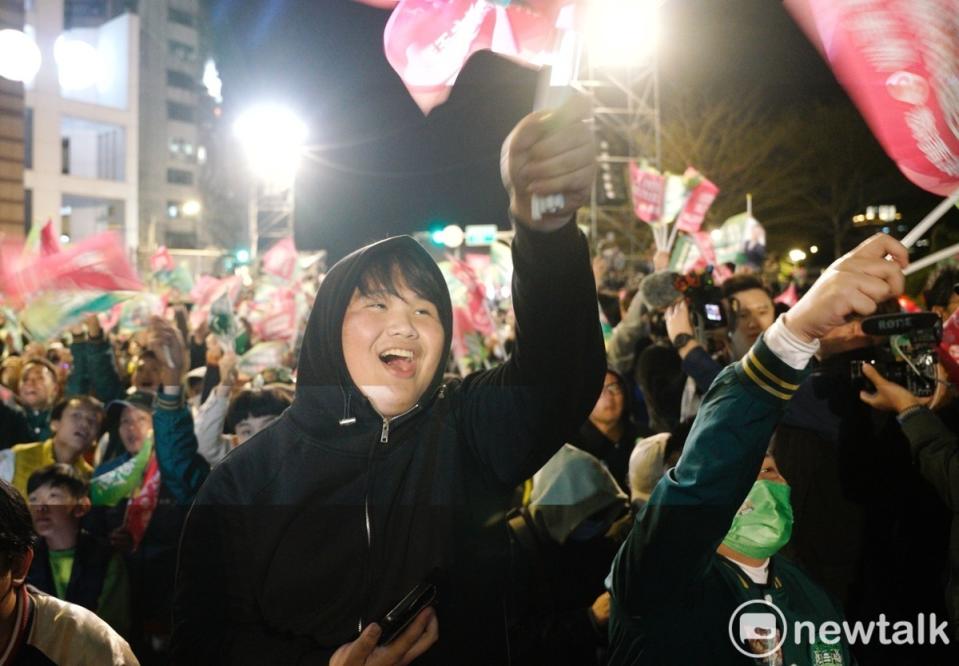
(400,361)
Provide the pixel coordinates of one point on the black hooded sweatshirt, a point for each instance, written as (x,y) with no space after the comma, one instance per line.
(322,522)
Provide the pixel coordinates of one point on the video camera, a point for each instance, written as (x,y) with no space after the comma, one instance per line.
(704,298)
(908,356)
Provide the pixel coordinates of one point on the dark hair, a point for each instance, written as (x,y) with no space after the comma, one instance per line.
(43,363)
(147,354)
(81,401)
(417,269)
(940,287)
(16,526)
(59,475)
(255,403)
(742,282)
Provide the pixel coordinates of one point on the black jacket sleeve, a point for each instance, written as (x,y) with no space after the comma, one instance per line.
(515,416)
(936,451)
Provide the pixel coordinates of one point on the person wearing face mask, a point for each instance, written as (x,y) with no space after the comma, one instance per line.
(708,539)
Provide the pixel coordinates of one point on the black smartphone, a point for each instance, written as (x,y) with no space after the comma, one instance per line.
(395,621)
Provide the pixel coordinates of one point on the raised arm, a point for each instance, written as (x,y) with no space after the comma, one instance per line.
(517,415)
(692,507)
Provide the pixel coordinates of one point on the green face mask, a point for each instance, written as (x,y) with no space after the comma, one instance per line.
(764,523)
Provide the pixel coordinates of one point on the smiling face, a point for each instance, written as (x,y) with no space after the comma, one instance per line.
(392,345)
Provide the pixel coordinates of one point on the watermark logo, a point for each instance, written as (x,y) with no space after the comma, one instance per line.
(758,629)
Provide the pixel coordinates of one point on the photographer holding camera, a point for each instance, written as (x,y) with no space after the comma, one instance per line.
(935,451)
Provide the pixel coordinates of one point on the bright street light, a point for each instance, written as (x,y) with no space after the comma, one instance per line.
(191,208)
(79,64)
(796,255)
(19,56)
(813,249)
(272,137)
(621,32)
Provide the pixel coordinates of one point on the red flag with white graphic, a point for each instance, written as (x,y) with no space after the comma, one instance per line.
(280,260)
(161,260)
(693,213)
(427,42)
(649,193)
(899,61)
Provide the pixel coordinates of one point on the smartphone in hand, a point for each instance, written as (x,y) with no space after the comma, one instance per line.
(397,619)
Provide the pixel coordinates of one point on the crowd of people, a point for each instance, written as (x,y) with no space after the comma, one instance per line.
(581,502)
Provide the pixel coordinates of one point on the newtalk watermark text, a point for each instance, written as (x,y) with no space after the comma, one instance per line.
(758,622)
(926,630)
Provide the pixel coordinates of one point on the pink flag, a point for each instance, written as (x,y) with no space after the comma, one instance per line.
(427,42)
(49,244)
(649,193)
(280,260)
(97,263)
(161,260)
(476,308)
(949,348)
(899,61)
(707,256)
(276,319)
(691,217)
(789,297)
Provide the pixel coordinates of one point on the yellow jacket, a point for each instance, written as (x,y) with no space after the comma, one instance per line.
(19,462)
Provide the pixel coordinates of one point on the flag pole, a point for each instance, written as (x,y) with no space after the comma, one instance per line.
(931,259)
(917,232)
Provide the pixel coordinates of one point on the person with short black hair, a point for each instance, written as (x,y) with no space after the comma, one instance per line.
(38,628)
(69,562)
(38,390)
(940,293)
(76,427)
(381,476)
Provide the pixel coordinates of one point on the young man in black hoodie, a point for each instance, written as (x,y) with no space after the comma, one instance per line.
(381,476)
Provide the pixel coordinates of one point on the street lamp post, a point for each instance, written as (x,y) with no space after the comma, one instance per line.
(272,137)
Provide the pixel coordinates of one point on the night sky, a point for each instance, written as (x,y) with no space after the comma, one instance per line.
(385,169)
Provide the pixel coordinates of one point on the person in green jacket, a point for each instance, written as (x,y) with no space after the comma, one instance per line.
(699,575)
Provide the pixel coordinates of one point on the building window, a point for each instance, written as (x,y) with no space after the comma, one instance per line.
(181,239)
(180,80)
(179,177)
(182,52)
(181,149)
(180,17)
(90,149)
(27,209)
(28,138)
(182,112)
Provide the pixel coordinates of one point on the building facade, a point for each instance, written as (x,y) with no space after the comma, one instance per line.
(81,152)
